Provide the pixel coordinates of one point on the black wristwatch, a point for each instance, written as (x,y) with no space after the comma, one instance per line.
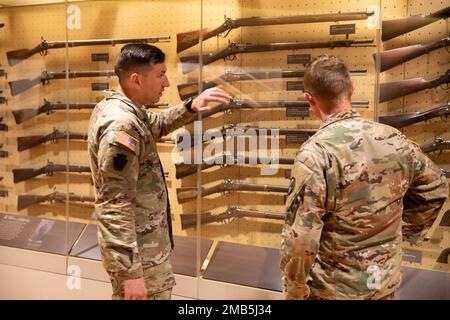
(188,104)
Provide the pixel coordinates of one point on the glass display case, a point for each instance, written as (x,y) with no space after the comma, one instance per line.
(227,194)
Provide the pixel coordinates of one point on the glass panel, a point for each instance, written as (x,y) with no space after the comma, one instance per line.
(415,48)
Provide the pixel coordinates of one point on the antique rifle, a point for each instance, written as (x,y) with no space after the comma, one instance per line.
(189,220)
(27,142)
(19,86)
(394,57)
(406,119)
(16,56)
(191,62)
(26,200)
(190,89)
(49,169)
(396,89)
(185,169)
(188,39)
(185,194)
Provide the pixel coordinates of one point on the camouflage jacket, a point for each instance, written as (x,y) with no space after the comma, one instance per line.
(132,207)
(356,186)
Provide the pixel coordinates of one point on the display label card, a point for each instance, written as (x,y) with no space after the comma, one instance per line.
(294,86)
(98,86)
(297,112)
(100,57)
(342,29)
(298,58)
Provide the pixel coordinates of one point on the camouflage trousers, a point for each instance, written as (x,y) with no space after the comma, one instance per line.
(159,281)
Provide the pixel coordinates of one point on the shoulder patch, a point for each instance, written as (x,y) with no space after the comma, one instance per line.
(126,140)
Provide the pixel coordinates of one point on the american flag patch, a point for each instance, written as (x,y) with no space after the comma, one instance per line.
(126,140)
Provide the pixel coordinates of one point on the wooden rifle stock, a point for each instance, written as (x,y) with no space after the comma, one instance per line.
(186,194)
(188,39)
(26,200)
(406,119)
(438,144)
(189,220)
(48,107)
(391,58)
(16,56)
(396,89)
(19,86)
(23,174)
(27,142)
(396,27)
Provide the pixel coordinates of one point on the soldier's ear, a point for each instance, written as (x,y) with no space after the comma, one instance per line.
(135,79)
(308,97)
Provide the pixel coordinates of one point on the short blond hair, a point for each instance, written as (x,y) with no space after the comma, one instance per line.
(328,77)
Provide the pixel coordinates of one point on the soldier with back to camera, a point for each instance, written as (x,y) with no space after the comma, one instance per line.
(132,206)
(357,189)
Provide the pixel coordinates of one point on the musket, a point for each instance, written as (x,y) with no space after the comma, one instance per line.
(188,39)
(185,194)
(19,86)
(190,89)
(190,62)
(48,108)
(26,200)
(406,119)
(391,58)
(299,135)
(16,56)
(189,220)
(302,106)
(28,142)
(184,169)
(395,27)
(29,173)
(438,144)
(396,89)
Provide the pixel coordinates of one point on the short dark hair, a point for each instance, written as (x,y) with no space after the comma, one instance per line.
(135,55)
(328,77)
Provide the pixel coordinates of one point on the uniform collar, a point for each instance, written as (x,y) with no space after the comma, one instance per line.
(111,94)
(338,116)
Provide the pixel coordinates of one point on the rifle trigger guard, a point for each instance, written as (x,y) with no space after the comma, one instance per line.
(44,45)
(230,58)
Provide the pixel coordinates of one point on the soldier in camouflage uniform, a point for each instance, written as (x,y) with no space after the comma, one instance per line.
(132,207)
(356,187)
